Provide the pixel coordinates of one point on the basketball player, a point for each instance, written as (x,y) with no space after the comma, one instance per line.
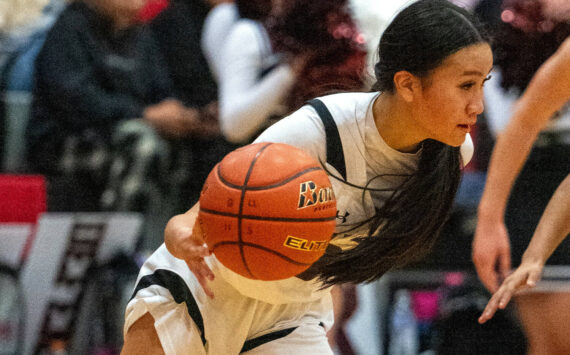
(406,142)
(546,94)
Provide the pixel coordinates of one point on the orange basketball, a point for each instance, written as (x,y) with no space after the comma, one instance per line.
(267,211)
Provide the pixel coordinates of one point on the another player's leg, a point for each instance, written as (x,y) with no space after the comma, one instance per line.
(546,325)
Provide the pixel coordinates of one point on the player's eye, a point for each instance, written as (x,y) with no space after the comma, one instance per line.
(467,85)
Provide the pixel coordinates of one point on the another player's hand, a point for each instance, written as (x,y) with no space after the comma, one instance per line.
(187,243)
(491,253)
(526,276)
(172,119)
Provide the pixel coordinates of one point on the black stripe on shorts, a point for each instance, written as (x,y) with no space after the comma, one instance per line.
(255,342)
(179,290)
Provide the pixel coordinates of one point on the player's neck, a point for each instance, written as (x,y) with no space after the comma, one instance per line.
(395,123)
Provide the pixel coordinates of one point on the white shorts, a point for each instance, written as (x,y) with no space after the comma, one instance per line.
(189,322)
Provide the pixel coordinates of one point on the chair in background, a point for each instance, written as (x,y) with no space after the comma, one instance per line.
(24,199)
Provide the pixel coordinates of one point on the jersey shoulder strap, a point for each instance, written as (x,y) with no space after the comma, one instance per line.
(335,153)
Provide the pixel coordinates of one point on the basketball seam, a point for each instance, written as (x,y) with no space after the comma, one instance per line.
(266,187)
(264,218)
(241,203)
(257,246)
(240,217)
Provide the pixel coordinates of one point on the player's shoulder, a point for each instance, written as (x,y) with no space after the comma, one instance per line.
(348,99)
(351,106)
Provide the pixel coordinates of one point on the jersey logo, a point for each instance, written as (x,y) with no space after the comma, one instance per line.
(342,217)
(311,195)
(304,244)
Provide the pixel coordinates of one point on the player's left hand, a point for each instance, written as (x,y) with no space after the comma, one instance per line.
(187,243)
(524,277)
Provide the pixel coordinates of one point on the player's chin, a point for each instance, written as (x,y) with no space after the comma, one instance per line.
(454,140)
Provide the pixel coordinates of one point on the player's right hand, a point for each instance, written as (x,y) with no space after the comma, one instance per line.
(491,253)
(525,276)
(187,243)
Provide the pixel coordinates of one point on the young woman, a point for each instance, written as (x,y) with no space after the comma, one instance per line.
(403,143)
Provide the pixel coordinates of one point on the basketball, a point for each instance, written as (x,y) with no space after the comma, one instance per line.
(267,211)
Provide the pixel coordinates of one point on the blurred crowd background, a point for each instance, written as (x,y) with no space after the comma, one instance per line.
(126,105)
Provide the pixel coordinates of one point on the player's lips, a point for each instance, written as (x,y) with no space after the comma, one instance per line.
(467,126)
(464,127)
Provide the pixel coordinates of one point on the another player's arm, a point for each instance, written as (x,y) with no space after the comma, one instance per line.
(547,92)
(184,240)
(142,339)
(553,227)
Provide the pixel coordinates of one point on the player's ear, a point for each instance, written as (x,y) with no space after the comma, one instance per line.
(406,85)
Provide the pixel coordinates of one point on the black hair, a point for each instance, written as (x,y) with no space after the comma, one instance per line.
(525,42)
(310,24)
(327,30)
(421,37)
(407,225)
(253,9)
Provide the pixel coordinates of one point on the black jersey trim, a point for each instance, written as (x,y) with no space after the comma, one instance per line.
(180,292)
(335,154)
(255,342)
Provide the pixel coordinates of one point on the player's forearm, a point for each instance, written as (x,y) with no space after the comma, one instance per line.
(188,217)
(553,227)
(178,228)
(533,110)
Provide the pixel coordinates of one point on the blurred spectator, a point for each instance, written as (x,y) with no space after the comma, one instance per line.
(23,25)
(279,54)
(178,30)
(20,20)
(217,26)
(17,18)
(103,102)
(15,13)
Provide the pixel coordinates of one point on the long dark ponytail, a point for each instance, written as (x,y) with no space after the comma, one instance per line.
(407,225)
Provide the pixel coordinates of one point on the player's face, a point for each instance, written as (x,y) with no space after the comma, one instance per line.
(452,95)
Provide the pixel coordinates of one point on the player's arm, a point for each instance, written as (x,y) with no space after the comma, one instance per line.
(142,339)
(184,240)
(553,227)
(546,93)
